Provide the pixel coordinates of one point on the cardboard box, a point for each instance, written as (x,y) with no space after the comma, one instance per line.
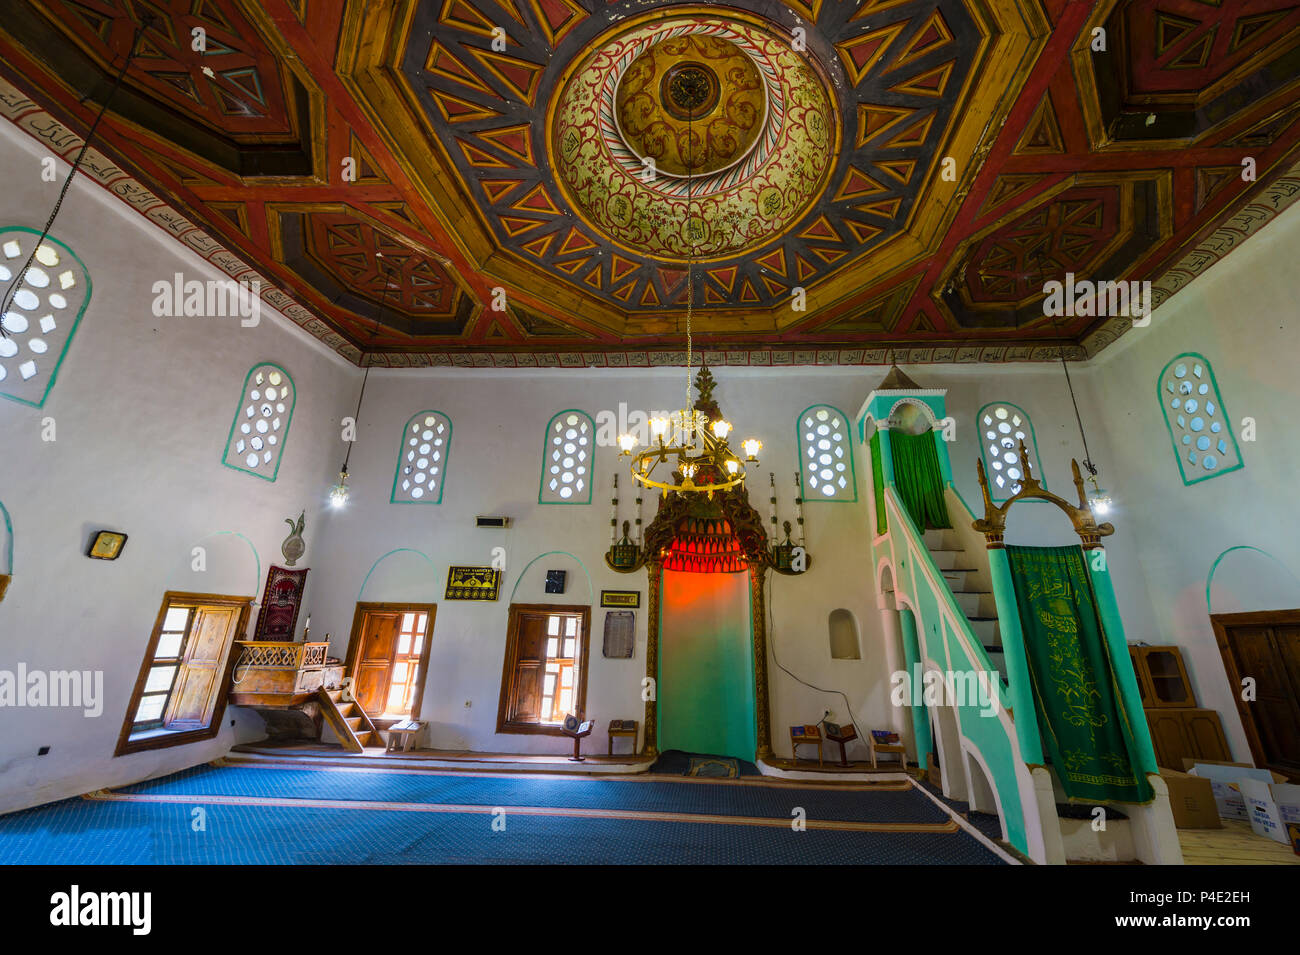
(1271,808)
(1224,779)
(1191,799)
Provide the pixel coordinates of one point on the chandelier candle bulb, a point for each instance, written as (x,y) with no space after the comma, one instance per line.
(771,509)
(639,541)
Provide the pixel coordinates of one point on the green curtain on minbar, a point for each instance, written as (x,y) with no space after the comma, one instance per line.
(1088,736)
(878,483)
(919,479)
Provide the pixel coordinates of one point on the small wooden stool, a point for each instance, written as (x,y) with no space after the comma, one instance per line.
(622,728)
(808,733)
(890,744)
(402,736)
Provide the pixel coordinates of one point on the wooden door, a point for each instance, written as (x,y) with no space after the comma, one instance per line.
(373,661)
(530,669)
(193,699)
(1265,646)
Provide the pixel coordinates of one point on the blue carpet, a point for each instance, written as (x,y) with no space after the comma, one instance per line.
(90,832)
(774,802)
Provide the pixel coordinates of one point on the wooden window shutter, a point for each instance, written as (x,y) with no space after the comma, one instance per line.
(530,669)
(198,686)
(374,665)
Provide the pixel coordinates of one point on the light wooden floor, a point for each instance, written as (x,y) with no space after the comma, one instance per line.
(1234,844)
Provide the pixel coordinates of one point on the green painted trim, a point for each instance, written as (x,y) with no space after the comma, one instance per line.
(912,656)
(878,483)
(591,590)
(9,547)
(1013,651)
(397,550)
(1215,566)
(848,441)
(284,438)
(446,457)
(1033,438)
(76,322)
(546,450)
(1223,408)
(941,451)
(257,558)
(1112,628)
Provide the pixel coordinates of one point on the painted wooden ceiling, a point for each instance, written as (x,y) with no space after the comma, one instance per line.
(887,174)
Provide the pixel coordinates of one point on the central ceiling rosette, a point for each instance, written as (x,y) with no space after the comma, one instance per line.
(692,136)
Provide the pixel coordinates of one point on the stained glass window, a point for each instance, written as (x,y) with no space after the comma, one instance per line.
(261,423)
(566,468)
(1002,426)
(422,460)
(1198,424)
(826,458)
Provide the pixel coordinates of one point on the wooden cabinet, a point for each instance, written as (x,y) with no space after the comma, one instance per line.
(1179,734)
(1178,729)
(1161,676)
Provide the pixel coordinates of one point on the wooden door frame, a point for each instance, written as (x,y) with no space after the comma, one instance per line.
(1221,623)
(422,676)
(125,744)
(509,672)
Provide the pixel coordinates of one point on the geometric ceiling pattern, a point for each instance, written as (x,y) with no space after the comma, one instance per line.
(548,182)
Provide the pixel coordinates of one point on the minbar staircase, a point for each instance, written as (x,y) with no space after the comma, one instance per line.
(958,569)
(348,721)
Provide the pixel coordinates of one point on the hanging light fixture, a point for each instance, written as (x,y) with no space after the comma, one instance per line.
(688,452)
(1099,500)
(338,494)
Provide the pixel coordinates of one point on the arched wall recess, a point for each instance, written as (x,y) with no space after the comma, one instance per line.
(843,631)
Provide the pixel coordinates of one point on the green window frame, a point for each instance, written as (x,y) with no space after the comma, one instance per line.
(44,315)
(1198,423)
(422,457)
(1000,426)
(258,435)
(568,458)
(825,446)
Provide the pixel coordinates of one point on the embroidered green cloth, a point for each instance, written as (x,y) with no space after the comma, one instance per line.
(919,478)
(1085,731)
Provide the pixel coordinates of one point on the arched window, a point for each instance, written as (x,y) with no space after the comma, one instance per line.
(261,423)
(1002,426)
(826,455)
(566,465)
(844,636)
(1198,423)
(43,315)
(422,459)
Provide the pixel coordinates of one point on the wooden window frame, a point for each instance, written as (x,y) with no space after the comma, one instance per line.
(354,647)
(167,738)
(509,667)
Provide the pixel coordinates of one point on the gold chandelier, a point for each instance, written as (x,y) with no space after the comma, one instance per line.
(689,453)
(702,462)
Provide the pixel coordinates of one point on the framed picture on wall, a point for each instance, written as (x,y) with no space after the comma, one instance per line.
(473,583)
(620,598)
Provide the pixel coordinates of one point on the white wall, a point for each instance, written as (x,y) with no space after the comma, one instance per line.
(495,460)
(141,408)
(1241,315)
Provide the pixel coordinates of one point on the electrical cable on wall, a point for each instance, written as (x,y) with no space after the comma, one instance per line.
(146,19)
(771,642)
